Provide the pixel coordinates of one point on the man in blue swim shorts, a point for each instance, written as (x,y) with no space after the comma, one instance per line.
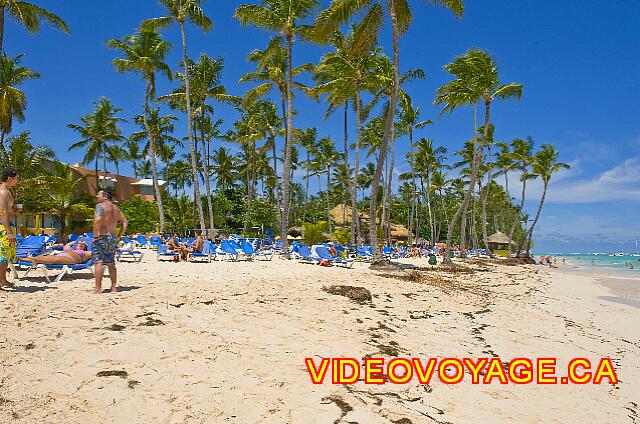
(106,219)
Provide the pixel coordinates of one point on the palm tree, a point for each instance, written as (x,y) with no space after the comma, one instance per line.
(205,79)
(159,130)
(62,184)
(410,120)
(177,174)
(29,16)
(476,81)
(98,130)
(282,16)
(339,12)
(428,160)
(327,155)
(545,164)
(145,53)
(308,140)
(29,161)
(342,75)
(181,11)
(505,163)
(13,101)
(521,155)
(132,153)
(224,169)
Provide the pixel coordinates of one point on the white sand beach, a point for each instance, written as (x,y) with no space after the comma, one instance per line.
(226,342)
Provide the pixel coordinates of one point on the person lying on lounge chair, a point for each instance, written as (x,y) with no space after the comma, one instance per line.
(196,247)
(68,256)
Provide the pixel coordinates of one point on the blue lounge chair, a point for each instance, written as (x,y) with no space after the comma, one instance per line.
(205,254)
(122,254)
(163,253)
(363,254)
(155,241)
(304,253)
(142,241)
(64,269)
(227,250)
(324,254)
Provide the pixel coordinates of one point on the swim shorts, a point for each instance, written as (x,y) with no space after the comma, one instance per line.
(7,248)
(104,249)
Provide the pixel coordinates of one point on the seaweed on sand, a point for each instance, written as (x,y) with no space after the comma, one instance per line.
(357,294)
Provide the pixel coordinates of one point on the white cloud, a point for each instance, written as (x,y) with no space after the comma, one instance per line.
(620,183)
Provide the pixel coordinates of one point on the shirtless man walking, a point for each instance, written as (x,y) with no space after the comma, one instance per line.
(8,179)
(105,243)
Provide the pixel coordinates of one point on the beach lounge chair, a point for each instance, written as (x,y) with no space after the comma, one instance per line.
(155,241)
(226,250)
(142,242)
(28,246)
(248,249)
(64,269)
(363,254)
(324,254)
(304,254)
(163,253)
(122,254)
(205,255)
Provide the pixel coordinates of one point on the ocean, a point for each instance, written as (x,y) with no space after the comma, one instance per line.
(599,263)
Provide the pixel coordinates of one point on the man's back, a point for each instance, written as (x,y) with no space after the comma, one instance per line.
(109,216)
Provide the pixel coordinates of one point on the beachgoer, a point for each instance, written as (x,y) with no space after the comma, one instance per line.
(107,217)
(69,255)
(8,178)
(197,246)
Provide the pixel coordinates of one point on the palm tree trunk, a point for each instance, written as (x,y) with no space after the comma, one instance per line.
(389,193)
(97,175)
(467,196)
(3,151)
(377,256)
(275,178)
(328,198)
(205,163)
(356,168)
(283,101)
(286,166)
(463,234)
(487,117)
(429,210)
(249,190)
(352,237)
(519,211)
(413,186)
(306,190)
(152,151)
(535,220)
(192,148)
(508,214)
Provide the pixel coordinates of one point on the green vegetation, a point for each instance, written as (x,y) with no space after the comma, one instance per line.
(261,170)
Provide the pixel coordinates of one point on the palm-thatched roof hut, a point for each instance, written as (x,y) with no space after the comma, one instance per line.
(341,215)
(499,244)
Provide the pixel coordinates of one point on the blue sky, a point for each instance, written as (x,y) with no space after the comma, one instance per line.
(578,62)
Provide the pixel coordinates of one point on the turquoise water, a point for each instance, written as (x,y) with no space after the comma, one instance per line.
(626,264)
